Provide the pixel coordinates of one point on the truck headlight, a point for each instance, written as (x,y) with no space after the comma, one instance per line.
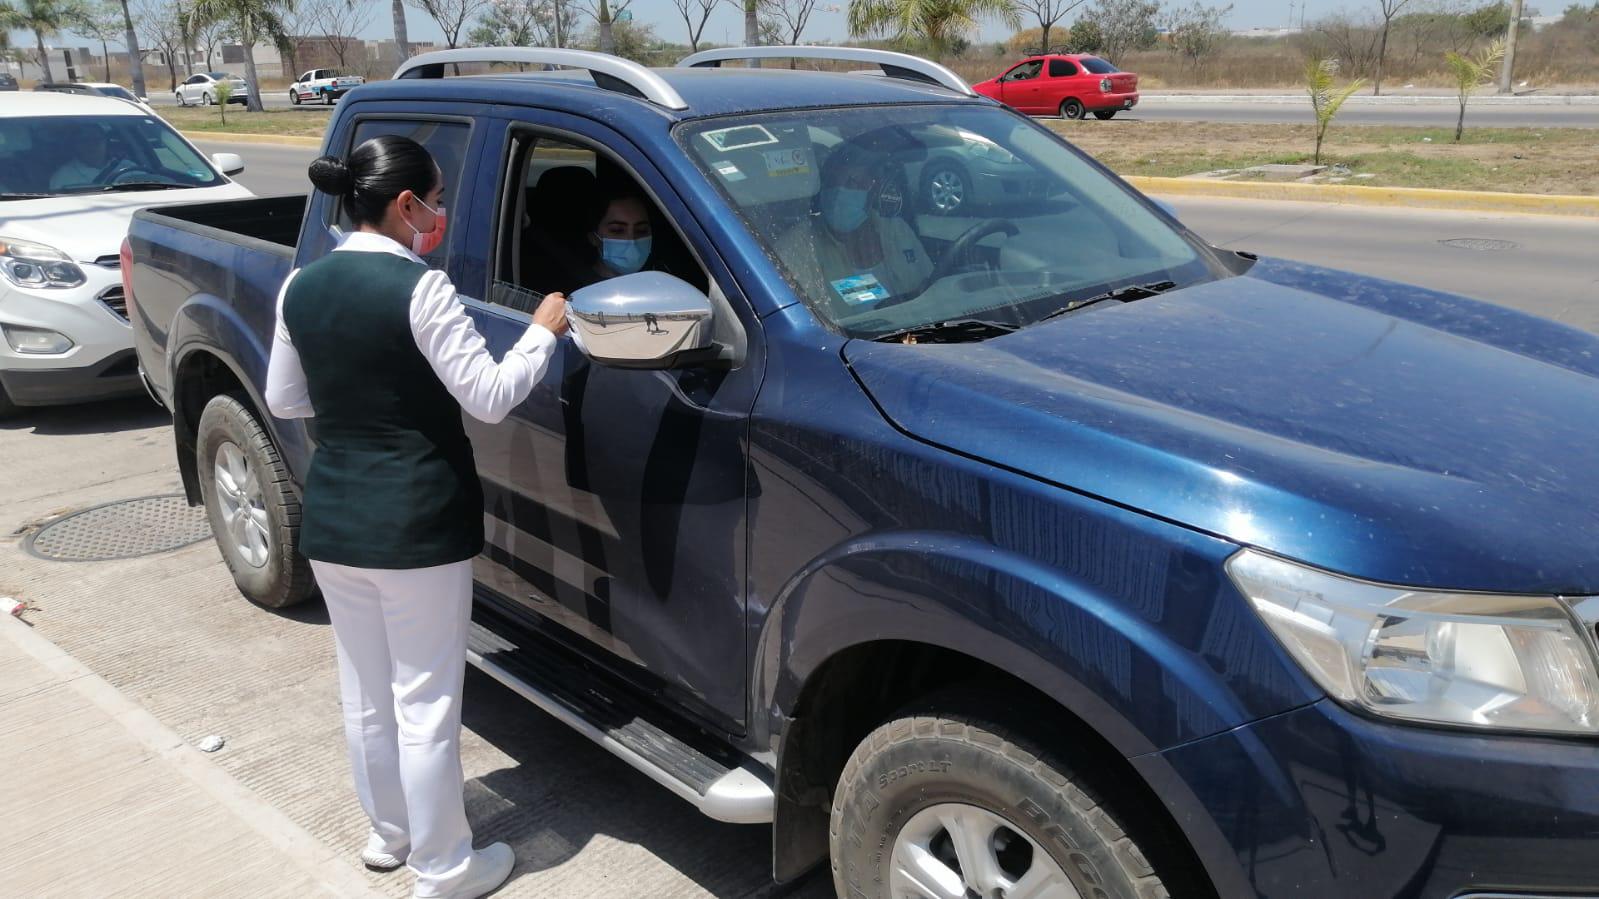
(1466,659)
(29,264)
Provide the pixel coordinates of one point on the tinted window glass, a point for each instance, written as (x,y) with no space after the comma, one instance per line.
(447,141)
(892,218)
(1061,68)
(1098,66)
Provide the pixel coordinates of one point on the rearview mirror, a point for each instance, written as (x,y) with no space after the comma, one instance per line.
(228,163)
(643,320)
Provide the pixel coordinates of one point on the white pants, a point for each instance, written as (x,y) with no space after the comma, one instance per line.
(401,638)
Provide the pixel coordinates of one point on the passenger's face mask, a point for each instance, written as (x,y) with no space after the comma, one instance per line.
(844,208)
(624,256)
(425,242)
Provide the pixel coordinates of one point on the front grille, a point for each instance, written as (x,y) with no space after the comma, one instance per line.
(116,301)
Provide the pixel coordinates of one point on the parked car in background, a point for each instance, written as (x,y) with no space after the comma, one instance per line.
(1070,85)
(326,85)
(93,89)
(73,169)
(8,82)
(201,87)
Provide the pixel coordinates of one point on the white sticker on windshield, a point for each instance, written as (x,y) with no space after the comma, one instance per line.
(728,170)
(788,161)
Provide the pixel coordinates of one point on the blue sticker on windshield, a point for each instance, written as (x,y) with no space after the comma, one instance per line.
(857,289)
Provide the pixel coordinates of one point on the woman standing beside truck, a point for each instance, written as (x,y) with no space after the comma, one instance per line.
(377,346)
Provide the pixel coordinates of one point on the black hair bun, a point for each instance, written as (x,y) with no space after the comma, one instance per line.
(332,176)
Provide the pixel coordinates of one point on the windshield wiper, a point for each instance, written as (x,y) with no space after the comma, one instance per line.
(140,185)
(956,330)
(9,195)
(1122,294)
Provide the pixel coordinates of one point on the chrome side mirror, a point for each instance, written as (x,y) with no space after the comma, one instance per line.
(228,163)
(642,320)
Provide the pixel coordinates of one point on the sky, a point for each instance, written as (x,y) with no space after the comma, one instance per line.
(727,22)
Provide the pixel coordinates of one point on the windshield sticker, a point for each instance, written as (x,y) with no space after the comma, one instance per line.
(790,161)
(728,170)
(739,138)
(858,289)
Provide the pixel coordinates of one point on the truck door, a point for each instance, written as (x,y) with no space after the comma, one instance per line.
(615,498)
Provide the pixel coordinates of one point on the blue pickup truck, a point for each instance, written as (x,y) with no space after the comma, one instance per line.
(1033,548)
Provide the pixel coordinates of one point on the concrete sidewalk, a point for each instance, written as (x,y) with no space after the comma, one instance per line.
(100,799)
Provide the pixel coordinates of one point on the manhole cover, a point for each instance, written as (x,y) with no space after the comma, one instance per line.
(1479,243)
(121,530)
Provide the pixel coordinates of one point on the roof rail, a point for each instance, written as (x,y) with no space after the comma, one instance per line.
(609,72)
(894,65)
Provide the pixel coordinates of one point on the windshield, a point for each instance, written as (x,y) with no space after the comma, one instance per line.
(885,219)
(121,93)
(56,155)
(1097,66)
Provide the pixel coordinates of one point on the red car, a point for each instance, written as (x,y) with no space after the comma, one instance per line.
(1069,84)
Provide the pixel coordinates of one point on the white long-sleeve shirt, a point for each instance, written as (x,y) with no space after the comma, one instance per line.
(486,389)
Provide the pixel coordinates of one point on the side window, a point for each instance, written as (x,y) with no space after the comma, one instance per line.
(563,206)
(1025,71)
(1062,68)
(447,141)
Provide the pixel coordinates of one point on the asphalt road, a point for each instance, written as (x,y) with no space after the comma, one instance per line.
(1551,269)
(1357,111)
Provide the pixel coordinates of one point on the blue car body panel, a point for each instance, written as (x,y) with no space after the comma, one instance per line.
(1057,503)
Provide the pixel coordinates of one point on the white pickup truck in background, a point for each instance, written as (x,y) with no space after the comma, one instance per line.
(324,84)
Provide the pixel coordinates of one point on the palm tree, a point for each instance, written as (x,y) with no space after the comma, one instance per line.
(937,23)
(254,21)
(43,18)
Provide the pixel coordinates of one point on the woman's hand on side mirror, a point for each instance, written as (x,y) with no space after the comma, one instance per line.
(552,313)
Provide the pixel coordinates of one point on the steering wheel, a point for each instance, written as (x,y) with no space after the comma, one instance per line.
(960,251)
(133,173)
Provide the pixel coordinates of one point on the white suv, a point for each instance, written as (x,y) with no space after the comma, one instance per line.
(72,171)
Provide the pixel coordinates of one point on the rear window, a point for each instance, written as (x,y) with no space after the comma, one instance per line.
(1097,66)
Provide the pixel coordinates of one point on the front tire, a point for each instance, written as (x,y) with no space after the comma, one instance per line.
(294,97)
(1105,114)
(950,805)
(255,516)
(1071,109)
(178,95)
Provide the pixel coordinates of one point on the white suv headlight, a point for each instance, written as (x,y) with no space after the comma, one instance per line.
(1469,659)
(28,264)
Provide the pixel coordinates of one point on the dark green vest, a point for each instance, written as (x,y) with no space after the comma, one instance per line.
(392,481)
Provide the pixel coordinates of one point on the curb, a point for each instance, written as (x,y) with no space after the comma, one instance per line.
(231,137)
(1410,197)
(316,858)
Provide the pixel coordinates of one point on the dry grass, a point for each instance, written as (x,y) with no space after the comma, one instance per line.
(306,121)
(1521,160)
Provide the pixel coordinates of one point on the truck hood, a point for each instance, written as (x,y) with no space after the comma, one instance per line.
(1377,429)
(89,226)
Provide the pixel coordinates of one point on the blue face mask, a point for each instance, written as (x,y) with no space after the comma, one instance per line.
(624,256)
(844,208)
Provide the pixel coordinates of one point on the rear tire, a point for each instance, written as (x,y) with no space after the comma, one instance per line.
(1105,114)
(1071,109)
(951,792)
(205,99)
(254,514)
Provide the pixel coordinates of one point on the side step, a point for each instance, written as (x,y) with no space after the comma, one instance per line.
(716,781)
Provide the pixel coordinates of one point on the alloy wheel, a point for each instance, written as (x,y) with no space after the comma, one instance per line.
(946,190)
(244,515)
(952,850)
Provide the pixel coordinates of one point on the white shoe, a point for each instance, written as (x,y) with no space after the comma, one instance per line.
(485,873)
(375,856)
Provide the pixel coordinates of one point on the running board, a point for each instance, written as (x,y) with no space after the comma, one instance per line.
(718,783)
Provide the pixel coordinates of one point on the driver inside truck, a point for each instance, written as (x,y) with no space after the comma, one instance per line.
(851,254)
(89,159)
